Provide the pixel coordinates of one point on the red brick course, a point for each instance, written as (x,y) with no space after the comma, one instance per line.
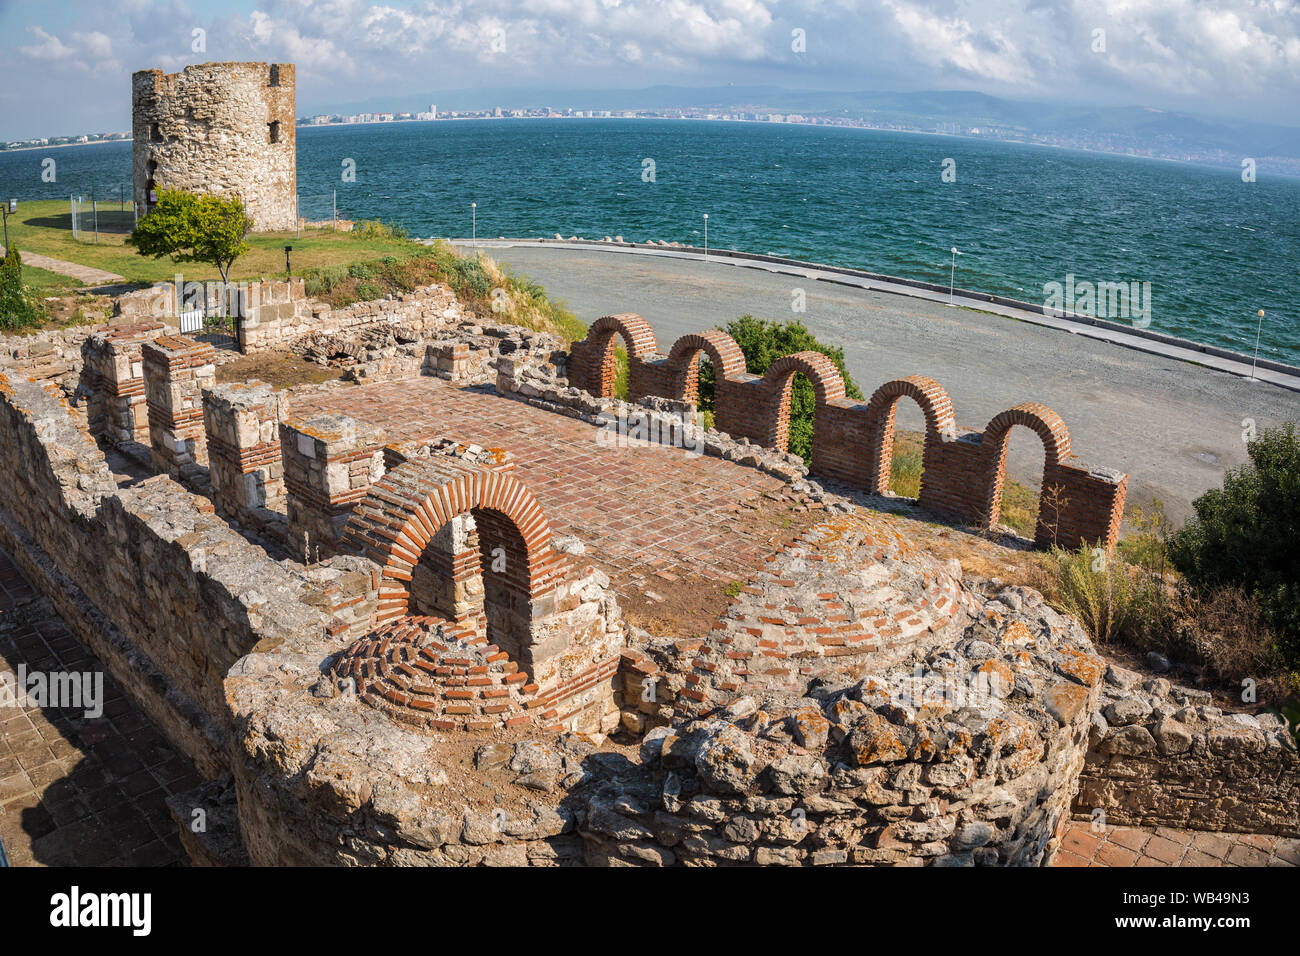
(963,470)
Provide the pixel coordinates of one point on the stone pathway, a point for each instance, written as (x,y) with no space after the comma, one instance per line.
(1163,846)
(77,790)
(87,274)
(647,511)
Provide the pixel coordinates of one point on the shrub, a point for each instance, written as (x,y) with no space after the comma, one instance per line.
(1106,596)
(471,279)
(1245,534)
(763,342)
(375,229)
(16,307)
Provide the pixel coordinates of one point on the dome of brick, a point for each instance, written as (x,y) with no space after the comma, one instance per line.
(853,596)
(432,674)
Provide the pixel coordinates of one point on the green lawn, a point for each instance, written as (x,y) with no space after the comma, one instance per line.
(44,282)
(45,226)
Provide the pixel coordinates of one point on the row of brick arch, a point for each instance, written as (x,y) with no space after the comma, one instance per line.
(963,471)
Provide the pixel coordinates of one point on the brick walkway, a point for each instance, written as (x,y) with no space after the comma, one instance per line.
(640,510)
(78,790)
(1162,846)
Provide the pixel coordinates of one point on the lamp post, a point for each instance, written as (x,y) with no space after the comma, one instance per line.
(952,274)
(473,223)
(10,206)
(1258,328)
(706,235)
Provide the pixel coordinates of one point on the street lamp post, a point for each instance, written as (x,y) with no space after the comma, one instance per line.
(952,275)
(706,235)
(10,206)
(473,212)
(1258,328)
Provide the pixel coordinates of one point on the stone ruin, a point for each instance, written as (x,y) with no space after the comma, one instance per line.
(218,128)
(378,652)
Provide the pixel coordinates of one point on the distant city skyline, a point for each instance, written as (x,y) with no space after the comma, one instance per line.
(70,63)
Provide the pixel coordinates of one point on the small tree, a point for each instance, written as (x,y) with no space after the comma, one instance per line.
(192,228)
(16,309)
(764,341)
(1245,534)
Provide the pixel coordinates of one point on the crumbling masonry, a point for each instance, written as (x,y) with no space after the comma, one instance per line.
(331,623)
(224,128)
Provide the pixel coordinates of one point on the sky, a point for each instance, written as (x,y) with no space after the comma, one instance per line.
(67,63)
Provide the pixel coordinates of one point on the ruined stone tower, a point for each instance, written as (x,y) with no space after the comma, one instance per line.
(218,128)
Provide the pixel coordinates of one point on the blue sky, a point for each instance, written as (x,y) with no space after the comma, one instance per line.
(68,64)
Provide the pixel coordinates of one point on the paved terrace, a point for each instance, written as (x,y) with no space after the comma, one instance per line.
(647,513)
(76,790)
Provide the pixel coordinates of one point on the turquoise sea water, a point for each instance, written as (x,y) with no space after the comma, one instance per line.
(1213,248)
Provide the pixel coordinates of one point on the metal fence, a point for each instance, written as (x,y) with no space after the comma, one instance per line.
(101,210)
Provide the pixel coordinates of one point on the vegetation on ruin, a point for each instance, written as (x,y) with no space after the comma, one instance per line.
(481,284)
(194,228)
(763,341)
(1214,594)
(1244,535)
(18,308)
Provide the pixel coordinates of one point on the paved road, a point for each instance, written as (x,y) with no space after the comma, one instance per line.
(1172,425)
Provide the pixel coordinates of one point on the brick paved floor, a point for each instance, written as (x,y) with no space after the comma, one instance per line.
(1162,846)
(686,511)
(78,790)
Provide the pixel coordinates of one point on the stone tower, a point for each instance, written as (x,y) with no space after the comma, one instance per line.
(218,128)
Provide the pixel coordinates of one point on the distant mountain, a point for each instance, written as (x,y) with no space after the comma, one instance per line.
(1146,130)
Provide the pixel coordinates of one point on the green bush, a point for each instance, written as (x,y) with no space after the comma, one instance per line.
(471,279)
(375,229)
(1108,599)
(1245,534)
(16,307)
(763,342)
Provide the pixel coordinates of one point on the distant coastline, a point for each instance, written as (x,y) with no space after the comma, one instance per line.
(1289,169)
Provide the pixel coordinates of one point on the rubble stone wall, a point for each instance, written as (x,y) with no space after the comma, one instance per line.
(159,587)
(1163,755)
(224,128)
(968,755)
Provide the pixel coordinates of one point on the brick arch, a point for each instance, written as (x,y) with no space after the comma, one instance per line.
(1051,430)
(592,362)
(727,358)
(779,379)
(881,409)
(401,514)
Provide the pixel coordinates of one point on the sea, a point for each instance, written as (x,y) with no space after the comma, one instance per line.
(1207,247)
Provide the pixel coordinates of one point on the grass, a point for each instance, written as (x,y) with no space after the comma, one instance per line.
(44,226)
(369,262)
(1145,607)
(42,282)
(482,285)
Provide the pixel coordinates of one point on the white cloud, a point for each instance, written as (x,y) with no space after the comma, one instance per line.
(1224,54)
(48,47)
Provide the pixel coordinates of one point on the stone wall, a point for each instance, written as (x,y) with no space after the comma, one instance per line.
(242,424)
(224,128)
(967,755)
(963,470)
(165,593)
(176,371)
(1163,755)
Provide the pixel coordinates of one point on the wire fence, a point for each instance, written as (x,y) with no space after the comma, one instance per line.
(101,211)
